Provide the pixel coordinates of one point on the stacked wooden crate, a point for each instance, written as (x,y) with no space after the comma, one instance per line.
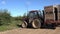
(58,12)
(49,14)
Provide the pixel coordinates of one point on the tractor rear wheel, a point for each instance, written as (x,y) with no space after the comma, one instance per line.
(36,23)
(24,25)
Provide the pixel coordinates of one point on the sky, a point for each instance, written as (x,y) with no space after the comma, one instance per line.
(19,7)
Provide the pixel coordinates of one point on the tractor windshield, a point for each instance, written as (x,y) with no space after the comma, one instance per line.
(32,14)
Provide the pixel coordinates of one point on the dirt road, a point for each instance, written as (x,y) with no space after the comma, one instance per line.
(32,31)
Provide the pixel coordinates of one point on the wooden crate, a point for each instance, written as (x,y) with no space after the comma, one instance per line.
(49,16)
(49,12)
(58,16)
(48,8)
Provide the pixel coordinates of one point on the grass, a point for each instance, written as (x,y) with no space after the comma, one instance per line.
(4,28)
(12,25)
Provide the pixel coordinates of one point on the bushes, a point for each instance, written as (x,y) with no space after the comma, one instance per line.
(7,21)
(5,17)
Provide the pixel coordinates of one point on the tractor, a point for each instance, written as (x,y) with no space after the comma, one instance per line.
(34,19)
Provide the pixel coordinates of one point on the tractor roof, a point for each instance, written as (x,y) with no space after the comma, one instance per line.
(33,11)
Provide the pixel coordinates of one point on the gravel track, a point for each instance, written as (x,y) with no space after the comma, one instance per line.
(32,31)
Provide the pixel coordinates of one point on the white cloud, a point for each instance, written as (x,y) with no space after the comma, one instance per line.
(3,2)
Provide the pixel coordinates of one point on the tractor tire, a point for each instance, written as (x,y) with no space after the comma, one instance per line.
(24,25)
(36,23)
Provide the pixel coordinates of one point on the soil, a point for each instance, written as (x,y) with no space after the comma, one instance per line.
(32,31)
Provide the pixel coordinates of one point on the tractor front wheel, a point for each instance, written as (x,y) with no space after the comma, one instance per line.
(24,25)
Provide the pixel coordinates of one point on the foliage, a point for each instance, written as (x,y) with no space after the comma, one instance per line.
(8,22)
(4,17)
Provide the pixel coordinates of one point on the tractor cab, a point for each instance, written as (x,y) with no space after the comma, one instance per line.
(34,14)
